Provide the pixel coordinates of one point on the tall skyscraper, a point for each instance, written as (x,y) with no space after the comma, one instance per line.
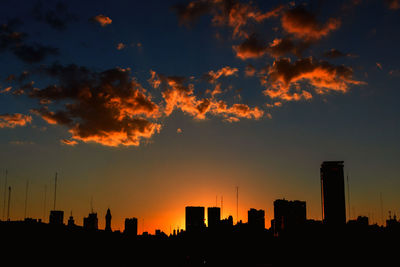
(131,226)
(256,219)
(108,221)
(213,217)
(332,193)
(194,219)
(288,215)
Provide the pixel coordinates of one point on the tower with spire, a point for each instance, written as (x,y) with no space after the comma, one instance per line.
(108,221)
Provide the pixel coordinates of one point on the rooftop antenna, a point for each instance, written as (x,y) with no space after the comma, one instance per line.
(5,196)
(91,204)
(44,204)
(26,197)
(9,198)
(55,192)
(348,196)
(222,206)
(381,201)
(237,204)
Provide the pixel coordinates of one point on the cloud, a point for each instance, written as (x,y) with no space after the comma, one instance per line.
(334,53)
(252,47)
(13,120)
(393,4)
(57,18)
(234,14)
(179,131)
(250,71)
(304,25)
(102,20)
(379,65)
(34,53)
(68,142)
(284,77)
(286,45)
(213,76)
(15,42)
(178,93)
(109,107)
(120,46)
(6,90)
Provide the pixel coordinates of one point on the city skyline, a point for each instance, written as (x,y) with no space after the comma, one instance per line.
(146,108)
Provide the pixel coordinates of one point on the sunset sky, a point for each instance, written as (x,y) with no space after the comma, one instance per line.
(146,107)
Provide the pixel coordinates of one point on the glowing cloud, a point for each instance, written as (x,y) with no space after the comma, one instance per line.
(304,25)
(13,120)
(284,76)
(102,20)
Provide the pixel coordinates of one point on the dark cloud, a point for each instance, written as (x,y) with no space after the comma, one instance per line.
(252,47)
(334,53)
(15,41)
(393,4)
(57,18)
(303,24)
(34,53)
(284,78)
(108,107)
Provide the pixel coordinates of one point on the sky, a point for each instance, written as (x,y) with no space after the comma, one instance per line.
(147,107)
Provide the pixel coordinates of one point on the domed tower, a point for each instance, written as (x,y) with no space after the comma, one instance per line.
(108,221)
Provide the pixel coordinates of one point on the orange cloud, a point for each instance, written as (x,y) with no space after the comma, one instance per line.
(304,25)
(120,46)
(69,142)
(13,120)
(252,47)
(102,20)
(393,4)
(213,76)
(6,90)
(110,108)
(284,77)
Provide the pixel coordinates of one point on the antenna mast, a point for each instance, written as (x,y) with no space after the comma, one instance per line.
(380,197)
(5,196)
(55,192)
(9,198)
(26,197)
(237,204)
(348,195)
(44,204)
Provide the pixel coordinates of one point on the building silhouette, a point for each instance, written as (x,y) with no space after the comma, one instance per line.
(288,215)
(332,193)
(131,226)
(90,222)
(256,219)
(213,217)
(56,217)
(71,221)
(108,221)
(194,219)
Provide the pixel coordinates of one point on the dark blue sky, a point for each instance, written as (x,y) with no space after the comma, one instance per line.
(121,144)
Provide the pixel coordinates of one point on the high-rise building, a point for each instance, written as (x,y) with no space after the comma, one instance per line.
(131,226)
(288,215)
(90,222)
(332,193)
(194,218)
(56,217)
(108,221)
(213,217)
(256,219)
(71,221)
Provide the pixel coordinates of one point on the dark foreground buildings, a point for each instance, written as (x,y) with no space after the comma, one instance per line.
(213,217)
(288,216)
(332,193)
(194,219)
(256,219)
